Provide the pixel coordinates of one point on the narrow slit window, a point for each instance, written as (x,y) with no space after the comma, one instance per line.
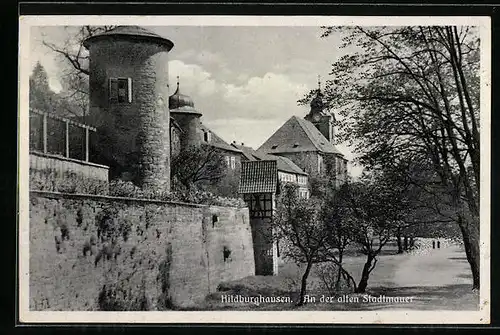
(206,136)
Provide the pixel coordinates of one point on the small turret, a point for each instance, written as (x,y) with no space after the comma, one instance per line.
(187,117)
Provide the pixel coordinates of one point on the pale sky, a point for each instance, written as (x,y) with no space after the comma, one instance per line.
(244,80)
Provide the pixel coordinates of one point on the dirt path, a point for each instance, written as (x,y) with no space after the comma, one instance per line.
(435,278)
(433,267)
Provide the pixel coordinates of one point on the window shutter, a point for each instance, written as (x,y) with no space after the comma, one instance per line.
(129,86)
(113,89)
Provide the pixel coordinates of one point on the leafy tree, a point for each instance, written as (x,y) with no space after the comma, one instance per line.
(226,186)
(412,94)
(338,223)
(66,103)
(41,97)
(377,206)
(297,221)
(430,213)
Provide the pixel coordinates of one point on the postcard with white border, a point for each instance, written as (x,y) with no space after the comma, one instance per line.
(256,169)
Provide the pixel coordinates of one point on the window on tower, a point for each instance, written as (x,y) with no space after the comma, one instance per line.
(206,136)
(120,90)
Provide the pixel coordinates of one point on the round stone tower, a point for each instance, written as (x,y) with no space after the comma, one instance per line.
(128,86)
(183,111)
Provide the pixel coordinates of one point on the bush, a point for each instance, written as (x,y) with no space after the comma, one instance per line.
(117,297)
(127,189)
(67,182)
(328,274)
(207,198)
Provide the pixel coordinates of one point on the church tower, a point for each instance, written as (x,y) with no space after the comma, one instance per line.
(319,117)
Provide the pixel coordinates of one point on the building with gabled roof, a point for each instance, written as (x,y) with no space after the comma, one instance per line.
(287,171)
(298,135)
(309,143)
(258,177)
(259,186)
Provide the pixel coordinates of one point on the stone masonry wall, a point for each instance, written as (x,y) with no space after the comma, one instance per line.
(132,137)
(147,255)
(190,124)
(307,161)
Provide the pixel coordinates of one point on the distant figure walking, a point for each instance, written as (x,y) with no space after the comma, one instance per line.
(439,244)
(433,244)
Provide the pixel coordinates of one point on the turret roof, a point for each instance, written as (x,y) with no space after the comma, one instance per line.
(130,32)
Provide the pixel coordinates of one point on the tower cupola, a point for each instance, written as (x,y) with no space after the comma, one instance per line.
(187,117)
(181,103)
(319,117)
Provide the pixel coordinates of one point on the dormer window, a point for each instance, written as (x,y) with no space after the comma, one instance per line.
(295,145)
(120,90)
(274,147)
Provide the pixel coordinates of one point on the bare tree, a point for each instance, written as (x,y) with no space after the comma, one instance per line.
(197,164)
(75,70)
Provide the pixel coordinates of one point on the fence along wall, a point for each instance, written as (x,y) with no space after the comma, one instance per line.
(52,134)
(162,255)
(60,156)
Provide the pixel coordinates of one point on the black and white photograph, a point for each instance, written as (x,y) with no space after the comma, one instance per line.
(256,169)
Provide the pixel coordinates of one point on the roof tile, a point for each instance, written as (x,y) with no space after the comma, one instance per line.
(258,177)
(297,135)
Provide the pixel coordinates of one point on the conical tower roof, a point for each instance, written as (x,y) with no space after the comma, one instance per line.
(135,33)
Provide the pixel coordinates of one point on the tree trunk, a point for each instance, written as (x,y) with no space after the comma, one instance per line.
(412,242)
(406,243)
(470,236)
(363,282)
(339,273)
(400,244)
(303,285)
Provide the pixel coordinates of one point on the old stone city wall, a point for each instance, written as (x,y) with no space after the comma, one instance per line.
(92,252)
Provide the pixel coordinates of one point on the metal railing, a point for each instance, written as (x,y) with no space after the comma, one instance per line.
(55,135)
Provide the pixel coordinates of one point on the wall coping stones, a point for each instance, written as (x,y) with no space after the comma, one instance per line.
(62,158)
(83,196)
